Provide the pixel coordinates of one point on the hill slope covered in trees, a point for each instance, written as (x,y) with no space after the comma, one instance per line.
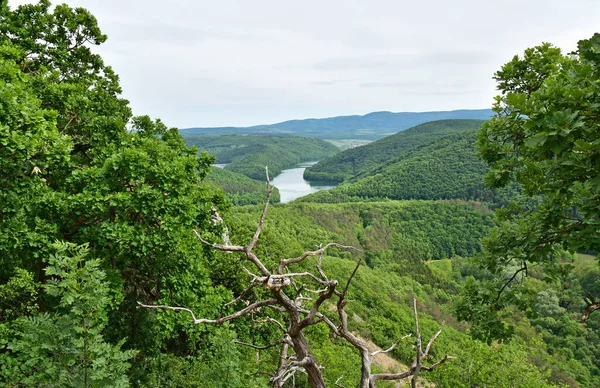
(249,154)
(447,168)
(240,189)
(351,162)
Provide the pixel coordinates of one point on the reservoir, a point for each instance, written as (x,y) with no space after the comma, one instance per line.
(292,185)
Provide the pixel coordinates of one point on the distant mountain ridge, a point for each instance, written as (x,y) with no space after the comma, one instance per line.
(371,126)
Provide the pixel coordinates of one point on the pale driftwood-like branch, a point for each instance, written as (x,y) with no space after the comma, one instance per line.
(296,317)
(171,308)
(320,265)
(220,247)
(270,319)
(218,321)
(285,262)
(390,348)
(417,363)
(257,347)
(337,382)
(591,305)
(263,216)
(428,347)
(292,366)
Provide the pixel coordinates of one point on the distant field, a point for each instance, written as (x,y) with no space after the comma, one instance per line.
(586,259)
(344,144)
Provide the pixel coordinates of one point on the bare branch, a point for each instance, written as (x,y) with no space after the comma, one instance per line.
(292,366)
(249,308)
(592,305)
(220,247)
(523,268)
(417,363)
(337,382)
(320,265)
(278,342)
(285,262)
(141,305)
(261,223)
(343,295)
(390,348)
(242,295)
(440,362)
(426,353)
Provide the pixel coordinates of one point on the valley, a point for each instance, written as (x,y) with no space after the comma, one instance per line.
(446,248)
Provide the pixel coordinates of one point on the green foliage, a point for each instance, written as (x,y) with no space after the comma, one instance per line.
(355,161)
(240,189)
(72,171)
(249,154)
(65,348)
(544,137)
(220,369)
(446,168)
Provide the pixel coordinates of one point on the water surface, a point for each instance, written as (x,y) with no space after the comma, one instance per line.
(292,185)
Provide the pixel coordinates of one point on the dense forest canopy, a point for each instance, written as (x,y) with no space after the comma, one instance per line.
(98,211)
(444,168)
(249,154)
(545,137)
(240,189)
(354,161)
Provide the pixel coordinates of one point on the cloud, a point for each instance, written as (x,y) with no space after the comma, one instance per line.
(251,62)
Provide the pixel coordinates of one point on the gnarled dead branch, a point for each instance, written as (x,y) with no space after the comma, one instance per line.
(291,301)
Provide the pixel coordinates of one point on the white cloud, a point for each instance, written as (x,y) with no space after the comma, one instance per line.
(239,62)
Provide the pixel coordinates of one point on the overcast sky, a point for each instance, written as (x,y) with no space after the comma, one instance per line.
(246,62)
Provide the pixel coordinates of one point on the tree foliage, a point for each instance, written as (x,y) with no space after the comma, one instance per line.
(356,161)
(249,154)
(545,137)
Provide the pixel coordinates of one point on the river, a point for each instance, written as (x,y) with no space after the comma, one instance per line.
(292,185)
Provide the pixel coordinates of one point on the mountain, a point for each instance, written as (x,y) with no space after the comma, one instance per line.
(371,126)
(353,161)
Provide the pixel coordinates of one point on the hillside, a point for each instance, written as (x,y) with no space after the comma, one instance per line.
(346,164)
(395,237)
(240,189)
(371,126)
(249,154)
(447,168)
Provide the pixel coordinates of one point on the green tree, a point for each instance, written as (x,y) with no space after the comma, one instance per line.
(65,348)
(71,170)
(545,137)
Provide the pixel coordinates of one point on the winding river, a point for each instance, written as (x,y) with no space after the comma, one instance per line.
(292,185)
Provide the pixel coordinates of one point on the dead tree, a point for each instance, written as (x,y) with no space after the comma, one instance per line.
(302,311)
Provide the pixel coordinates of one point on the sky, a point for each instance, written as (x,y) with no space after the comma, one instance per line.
(248,62)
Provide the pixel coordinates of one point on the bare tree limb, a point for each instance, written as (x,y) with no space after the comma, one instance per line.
(285,262)
(591,305)
(278,342)
(261,223)
(237,314)
(297,317)
(390,348)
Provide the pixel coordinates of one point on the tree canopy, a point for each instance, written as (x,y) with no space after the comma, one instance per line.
(546,137)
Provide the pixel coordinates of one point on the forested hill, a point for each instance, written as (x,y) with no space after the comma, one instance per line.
(371,126)
(240,189)
(447,168)
(249,154)
(353,161)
